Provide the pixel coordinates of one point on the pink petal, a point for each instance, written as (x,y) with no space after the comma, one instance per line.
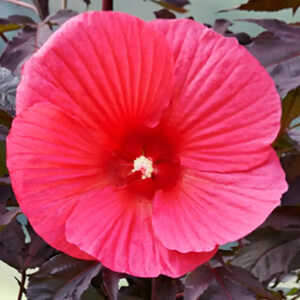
(107,66)
(51,160)
(115,226)
(210,208)
(224,105)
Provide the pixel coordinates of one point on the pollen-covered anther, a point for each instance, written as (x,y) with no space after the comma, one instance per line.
(144,165)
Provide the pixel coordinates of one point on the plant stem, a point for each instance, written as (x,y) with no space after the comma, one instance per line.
(153,288)
(4,38)
(64,4)
(23,4)
(22,285)
(107,4)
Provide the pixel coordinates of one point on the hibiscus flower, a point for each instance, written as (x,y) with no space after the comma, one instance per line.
(144,145)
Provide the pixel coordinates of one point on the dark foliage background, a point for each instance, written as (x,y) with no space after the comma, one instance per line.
(248,269)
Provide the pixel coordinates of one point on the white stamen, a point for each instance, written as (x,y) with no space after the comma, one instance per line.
(144,165)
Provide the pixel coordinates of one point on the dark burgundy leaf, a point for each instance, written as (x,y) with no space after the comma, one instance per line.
(30,39)
(19,49)
(111,283)
(5,194)
(278,50)
(268,253)
(60,17)
(235,284)
(8,86)
(19,254)
(291,166)
(6,215)
(20,19)
(228,291)
(267,5)
(295,263)
(87,2)
(163,288)
(221,26)
(42,7)
(139,289)
(292,196)
(92,294)
(246,279)
(14,22)
(179,3)
(290,108)
(48,26)
(284,217)
(164,14)
(197,282)
(62,278)
(175,5)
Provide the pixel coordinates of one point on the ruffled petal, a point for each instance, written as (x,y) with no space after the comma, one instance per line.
(51,160)
(224,104)
(108,67)
(209,208)
(115,226)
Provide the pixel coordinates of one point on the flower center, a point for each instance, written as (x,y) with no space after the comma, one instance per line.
(143,165)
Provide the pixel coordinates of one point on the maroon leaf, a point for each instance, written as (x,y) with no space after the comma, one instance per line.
(175,5)
(19,49)
(14,22)
(278,50)
(221,26)
(62,277)
(292,196)
(284,217)
(268,253)
(19,254)
(163,288)
(267,5)
(30,39)
(164,14)
(42,7)
(197,282)
(234,283)
(87,2)
(111,283)
(291,165)
(8,86)
(6,216)
(290,109)
(48,26)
